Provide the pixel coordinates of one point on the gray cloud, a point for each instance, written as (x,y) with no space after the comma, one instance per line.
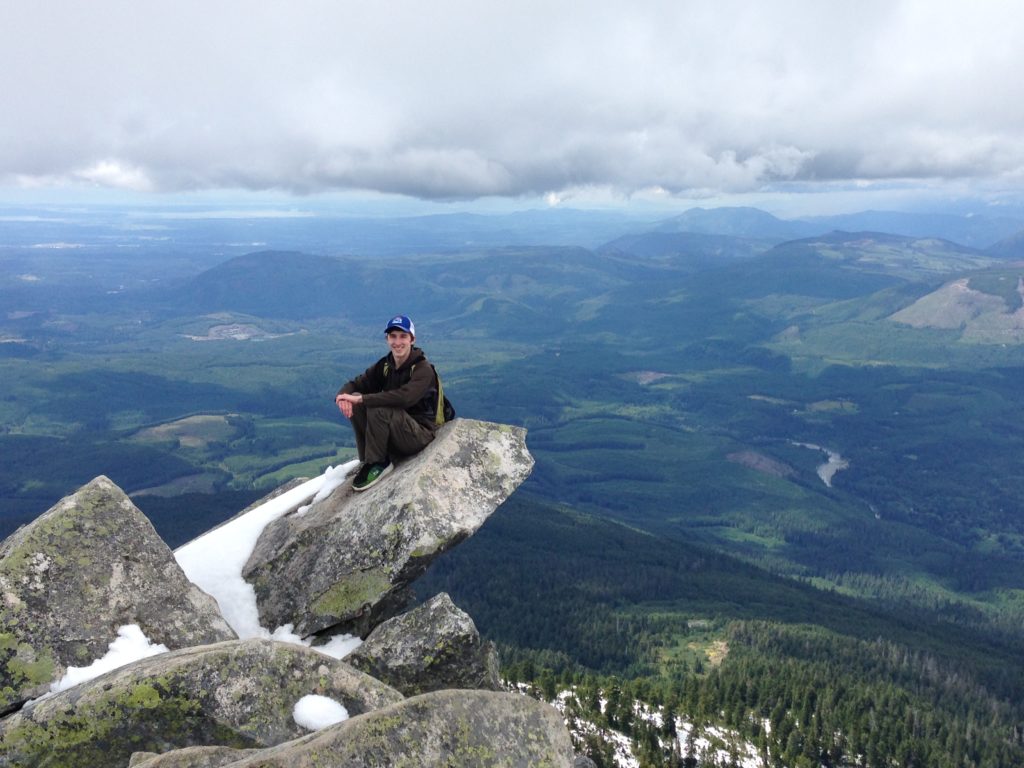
(456,99)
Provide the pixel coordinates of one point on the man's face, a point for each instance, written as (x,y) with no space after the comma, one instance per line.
(400,343)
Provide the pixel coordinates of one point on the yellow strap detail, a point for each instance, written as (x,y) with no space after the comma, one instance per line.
(439,415)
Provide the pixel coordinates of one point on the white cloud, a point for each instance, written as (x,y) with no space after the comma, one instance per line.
(456,99)
(111,173)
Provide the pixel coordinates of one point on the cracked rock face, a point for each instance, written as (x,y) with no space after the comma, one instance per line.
(69,579)
(346,563)
(432,647)
(478,729)
(194,757)
(238,694)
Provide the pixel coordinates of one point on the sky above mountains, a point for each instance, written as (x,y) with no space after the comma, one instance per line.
(601,102)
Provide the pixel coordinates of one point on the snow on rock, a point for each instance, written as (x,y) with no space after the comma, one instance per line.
(317,712)
(348,561)
(214,561)
(91,563)
(131,645)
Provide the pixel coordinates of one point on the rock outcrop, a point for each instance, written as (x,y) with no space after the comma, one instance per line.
(346,563)
(194,757)
(93,564)
(432,647)
(469,729)
(90,564)
(238,694)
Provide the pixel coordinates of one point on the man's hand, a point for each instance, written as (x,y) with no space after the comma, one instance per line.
(346,402)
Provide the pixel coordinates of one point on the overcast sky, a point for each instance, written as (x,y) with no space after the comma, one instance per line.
(563,100)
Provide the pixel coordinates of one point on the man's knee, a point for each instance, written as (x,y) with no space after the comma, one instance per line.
(380,416)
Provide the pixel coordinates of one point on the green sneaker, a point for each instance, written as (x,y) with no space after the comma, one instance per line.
(369,474)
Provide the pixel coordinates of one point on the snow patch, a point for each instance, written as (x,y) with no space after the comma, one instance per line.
(214,561)
(317,712)
(131,645)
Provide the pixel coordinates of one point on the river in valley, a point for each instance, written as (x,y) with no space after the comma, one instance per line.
(827,470)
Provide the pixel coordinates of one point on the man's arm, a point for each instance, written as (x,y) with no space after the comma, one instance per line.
(351,392)
(345,402)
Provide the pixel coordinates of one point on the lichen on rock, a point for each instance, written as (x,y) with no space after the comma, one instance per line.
(190,757)
(432,647)
(469,729)
(70,578)
(93,563)
(236,694)
(346,563)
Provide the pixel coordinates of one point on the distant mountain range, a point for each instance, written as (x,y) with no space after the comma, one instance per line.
(203,234)
(973,231)
(1011,247)
(523,288)
(590,228)
(622,288)
(739,222)
(688,249)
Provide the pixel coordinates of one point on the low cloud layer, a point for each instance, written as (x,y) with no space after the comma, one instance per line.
(455,99)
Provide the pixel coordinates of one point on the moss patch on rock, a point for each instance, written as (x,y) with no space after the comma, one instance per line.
(347,597)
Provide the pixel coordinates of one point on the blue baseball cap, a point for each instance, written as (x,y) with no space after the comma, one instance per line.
(402,323)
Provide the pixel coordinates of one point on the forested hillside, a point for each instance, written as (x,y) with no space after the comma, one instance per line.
(770,484)
(810,677)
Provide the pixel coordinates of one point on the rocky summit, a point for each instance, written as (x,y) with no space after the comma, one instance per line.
(92,564)
(236,693)
(445,728)
(345,564)
(435,645)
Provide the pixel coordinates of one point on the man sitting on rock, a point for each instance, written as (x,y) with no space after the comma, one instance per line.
(392,406)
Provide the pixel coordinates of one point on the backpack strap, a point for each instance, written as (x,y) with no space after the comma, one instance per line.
(439,413)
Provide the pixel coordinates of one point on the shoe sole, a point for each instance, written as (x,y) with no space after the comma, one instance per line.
(376,480)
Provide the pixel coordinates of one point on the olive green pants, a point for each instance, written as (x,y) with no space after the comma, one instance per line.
(384,433)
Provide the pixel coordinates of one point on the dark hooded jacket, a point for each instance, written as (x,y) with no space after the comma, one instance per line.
(411,387)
